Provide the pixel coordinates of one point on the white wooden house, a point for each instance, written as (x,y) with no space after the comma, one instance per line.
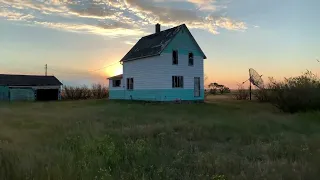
(164,66)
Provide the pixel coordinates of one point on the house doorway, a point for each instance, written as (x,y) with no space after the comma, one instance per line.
(197,87)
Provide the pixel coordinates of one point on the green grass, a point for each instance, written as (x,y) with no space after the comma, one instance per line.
(125,140)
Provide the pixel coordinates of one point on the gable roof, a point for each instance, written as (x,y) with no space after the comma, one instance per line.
(154,44)
(28,80)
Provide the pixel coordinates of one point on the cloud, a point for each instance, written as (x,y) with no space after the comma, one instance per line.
(172,16)
(129,42)
(106,30)
(118,17)
(14,16)
(203,4)
(162,14)
(93,9)
(68,16)
(38,5)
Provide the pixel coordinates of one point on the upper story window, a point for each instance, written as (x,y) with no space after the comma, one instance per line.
(116,83)
(129,83)
(190,59)
(175,57)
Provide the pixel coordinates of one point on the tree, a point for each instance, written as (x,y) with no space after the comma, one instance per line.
(215,87)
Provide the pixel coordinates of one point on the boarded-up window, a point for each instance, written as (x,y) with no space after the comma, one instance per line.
(190,59)
(175,57)
(129,83)
(22,94)
(116,83)
(177,81)
(197,87)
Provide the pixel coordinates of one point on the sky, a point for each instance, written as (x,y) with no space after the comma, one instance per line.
(82,41)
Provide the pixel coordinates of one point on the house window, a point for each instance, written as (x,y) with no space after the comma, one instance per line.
(177,81)
(116,83)
(190,59)
(129,83)
(175,57)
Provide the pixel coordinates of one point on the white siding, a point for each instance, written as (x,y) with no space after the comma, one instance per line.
(122,86)
(156,72)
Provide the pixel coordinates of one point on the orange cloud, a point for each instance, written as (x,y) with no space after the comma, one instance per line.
(114,18)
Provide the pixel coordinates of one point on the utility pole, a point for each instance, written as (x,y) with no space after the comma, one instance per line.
(250,89)
(46,69)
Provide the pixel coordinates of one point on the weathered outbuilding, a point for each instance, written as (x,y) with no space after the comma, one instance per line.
(29,88)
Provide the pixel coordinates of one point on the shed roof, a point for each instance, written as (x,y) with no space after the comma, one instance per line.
(28,80)
(120,76)
(154,44)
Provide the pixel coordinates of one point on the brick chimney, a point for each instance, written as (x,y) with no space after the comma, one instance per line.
(158,28)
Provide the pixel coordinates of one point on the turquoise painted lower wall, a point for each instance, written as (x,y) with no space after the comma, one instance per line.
(156,94)
(22,95)
(116,94)
(4,93)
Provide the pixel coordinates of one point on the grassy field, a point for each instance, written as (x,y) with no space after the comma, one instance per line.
(103,139)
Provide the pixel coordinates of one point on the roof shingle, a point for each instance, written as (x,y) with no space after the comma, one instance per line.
(152,45)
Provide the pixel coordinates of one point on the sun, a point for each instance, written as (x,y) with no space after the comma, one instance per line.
(113,71)
(118,71)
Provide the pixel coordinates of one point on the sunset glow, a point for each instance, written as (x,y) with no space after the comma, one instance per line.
(277,38)
(113,71)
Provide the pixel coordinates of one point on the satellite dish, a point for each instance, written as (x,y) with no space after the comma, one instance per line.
(255,79)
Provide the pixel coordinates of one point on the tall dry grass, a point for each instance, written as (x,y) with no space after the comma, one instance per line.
(241,93)
(95,139)
(97,91)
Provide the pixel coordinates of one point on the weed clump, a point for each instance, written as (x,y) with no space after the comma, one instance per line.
(295,94)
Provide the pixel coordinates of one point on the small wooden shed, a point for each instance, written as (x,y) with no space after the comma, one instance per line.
(29,88)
